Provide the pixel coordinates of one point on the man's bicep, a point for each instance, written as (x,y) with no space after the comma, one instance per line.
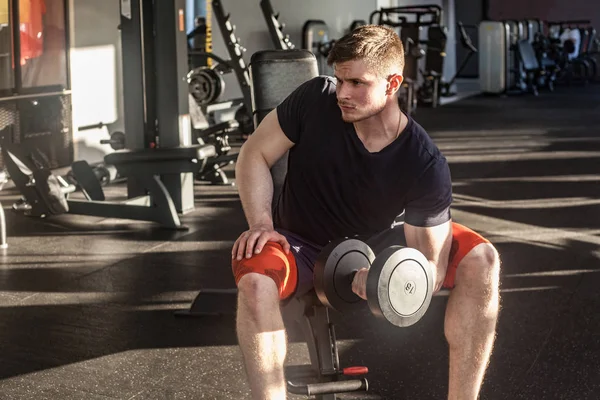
(268,140)
(433,241)
(428,202)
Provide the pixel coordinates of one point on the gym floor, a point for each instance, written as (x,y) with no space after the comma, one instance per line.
(87,305)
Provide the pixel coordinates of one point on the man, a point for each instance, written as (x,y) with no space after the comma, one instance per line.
(356,162)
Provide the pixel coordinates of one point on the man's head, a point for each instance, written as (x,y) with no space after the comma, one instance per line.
(368,65)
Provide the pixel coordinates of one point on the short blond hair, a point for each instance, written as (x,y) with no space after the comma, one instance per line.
(379,46)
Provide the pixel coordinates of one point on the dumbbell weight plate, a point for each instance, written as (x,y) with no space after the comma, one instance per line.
(334,270)
(400,285)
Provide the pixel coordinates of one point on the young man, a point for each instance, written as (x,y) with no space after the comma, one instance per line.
(356,162)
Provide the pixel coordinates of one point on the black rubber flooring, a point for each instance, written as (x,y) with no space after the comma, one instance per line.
(87,305)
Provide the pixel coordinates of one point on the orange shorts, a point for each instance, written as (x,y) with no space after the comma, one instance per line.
(283,269)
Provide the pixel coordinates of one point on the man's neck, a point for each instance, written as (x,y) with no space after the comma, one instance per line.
(385,126)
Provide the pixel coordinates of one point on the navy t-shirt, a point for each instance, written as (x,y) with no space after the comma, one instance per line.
(336,188)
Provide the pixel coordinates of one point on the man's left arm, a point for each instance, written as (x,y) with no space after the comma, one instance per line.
(435,243)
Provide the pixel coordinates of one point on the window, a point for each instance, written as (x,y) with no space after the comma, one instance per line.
(43,55)
(6,69)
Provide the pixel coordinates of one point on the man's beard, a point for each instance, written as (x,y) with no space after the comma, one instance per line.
(355,117)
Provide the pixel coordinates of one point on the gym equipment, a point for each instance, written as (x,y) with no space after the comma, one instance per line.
(467,43)
(105,174)
(507,61)
(217,136)
(206,84)
(316,39)
(45,194)
(399,282)
(335,269)
(429,16)
(323,378)
(116,141)
(280,40)
(156,95)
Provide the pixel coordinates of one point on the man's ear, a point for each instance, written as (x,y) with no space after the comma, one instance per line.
(394,83)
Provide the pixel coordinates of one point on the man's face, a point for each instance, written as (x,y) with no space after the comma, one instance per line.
(360,92)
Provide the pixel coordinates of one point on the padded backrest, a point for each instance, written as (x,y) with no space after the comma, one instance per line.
(274,75)
(528,57)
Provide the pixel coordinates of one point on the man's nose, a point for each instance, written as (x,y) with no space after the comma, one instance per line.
(343,92)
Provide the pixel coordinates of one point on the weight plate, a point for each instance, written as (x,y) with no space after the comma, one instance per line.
(400,285)
(205,85)
(334,270)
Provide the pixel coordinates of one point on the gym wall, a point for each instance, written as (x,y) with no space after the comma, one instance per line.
(96,73)
(551,10)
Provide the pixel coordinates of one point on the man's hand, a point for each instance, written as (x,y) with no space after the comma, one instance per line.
(359,283)
(253,240)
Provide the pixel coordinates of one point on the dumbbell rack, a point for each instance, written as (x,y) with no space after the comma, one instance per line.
(324,371)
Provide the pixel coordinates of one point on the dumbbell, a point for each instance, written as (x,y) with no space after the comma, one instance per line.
(399,282)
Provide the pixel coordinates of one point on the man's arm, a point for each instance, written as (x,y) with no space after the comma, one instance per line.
(263,148)
(435,243)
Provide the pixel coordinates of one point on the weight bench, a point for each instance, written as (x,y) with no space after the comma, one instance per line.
(322,378)
(46,194)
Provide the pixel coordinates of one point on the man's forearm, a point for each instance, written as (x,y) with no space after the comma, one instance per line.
(255,186)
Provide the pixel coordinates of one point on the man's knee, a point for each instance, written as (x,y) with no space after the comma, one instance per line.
(256,290)
(479,270)
(271,270)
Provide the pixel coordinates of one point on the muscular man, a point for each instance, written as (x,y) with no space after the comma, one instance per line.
(356,162)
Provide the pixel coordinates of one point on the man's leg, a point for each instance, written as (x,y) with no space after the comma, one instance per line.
(261,335)
(263,281)
(470,322)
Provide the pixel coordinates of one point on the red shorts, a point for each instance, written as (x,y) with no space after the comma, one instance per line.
(283,269)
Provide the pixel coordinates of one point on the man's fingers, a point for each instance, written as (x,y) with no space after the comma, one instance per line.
(251,242)
(260,243)
(235,249)
(241,246)
(284,243)
(359,284)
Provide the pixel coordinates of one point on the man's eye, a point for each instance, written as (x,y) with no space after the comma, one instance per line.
(356,82)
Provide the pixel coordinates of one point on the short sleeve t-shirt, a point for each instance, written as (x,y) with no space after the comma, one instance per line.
(336,188)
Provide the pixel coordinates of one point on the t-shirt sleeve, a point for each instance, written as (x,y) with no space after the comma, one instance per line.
(428,202)
(292,112)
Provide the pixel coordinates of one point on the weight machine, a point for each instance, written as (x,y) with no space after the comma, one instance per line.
(159,161)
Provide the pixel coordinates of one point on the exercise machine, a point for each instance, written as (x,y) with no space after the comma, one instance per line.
(206,83)
(425,16)
(507,61)
(45,194)
(434,86)
(159,160)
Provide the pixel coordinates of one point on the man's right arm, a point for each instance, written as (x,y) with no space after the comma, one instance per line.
(263,148)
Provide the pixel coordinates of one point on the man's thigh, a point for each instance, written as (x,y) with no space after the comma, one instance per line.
(305,254)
